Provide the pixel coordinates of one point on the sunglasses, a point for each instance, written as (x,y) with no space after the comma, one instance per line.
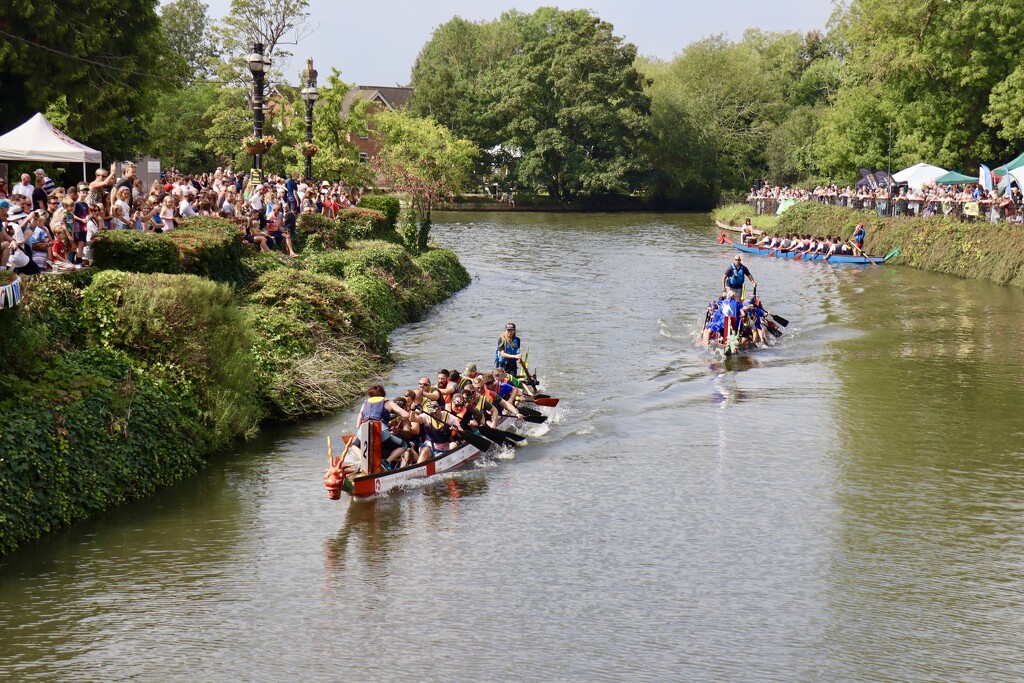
(424,384)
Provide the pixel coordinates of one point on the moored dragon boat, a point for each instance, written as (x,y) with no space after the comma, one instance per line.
(804,256)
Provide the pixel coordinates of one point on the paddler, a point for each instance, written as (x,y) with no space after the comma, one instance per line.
(442,391)
(437,428)
(377,408)
(732,281)
(507,354)
(467,377)
(858,240)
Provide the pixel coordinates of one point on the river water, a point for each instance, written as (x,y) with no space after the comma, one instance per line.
(845,506)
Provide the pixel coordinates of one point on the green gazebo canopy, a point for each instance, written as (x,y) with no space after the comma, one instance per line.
(954,178)
(1010,165)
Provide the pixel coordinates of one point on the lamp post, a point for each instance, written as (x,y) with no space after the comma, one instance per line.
(309,95)
(259,65)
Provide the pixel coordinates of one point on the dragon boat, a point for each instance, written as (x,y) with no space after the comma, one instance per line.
(367,476)
(804,256)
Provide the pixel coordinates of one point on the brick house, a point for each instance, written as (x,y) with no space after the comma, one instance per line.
(381,98)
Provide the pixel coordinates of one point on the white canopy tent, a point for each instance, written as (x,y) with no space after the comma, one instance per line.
(918,174)
(38,140)
(1015,175)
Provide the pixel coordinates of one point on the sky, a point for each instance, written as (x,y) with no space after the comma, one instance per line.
(376,42)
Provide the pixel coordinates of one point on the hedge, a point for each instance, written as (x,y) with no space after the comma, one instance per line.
(138,252)
(314,232)
(114,435)
(366,224)
(200,245)
(387,204)
(444,272)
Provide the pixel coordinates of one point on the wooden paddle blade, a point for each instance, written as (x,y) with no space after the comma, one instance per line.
(536,419)
(546,402)
(779,319)
(774,331)
(526,410)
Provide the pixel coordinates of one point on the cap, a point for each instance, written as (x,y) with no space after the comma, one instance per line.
(432,407)
(470,368)
(4,204)
(510,326)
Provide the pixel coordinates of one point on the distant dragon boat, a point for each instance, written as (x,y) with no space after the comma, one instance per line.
(804,256)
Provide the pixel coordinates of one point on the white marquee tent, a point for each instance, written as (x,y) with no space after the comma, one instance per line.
(38,140)
(918,174)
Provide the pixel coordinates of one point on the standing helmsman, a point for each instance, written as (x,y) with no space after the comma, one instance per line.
(735,276)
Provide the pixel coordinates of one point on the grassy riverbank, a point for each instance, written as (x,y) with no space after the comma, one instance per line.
(978,251)
(124,378)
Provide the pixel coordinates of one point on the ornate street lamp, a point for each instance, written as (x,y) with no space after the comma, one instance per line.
(259,65)
(309,95)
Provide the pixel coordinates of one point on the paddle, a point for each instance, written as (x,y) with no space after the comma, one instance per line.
(531,415)
(771,327)
(499,436)
(547,402)
(778,318)
(478,442)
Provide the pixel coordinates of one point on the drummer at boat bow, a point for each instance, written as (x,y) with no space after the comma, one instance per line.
(732,281)
(507,354)
(377,408)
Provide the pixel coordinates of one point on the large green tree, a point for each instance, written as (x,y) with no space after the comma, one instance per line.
(186,27)
(942,72)
(103,60)
(453,74)
(574,105)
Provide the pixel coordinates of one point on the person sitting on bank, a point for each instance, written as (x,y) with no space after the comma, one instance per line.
(735,275)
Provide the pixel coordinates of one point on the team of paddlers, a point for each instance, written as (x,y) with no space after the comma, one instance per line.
(809,244)
(732,322)
(427,421)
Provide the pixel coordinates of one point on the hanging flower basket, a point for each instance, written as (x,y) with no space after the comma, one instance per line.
(255,145)
(308,149)
(10,289)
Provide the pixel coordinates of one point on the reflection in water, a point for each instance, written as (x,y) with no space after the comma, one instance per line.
(374,528)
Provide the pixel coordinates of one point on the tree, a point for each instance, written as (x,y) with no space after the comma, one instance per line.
(179,133)
(337,157)
(453,73)
(942,71)
(424,160)
(573,103)
(186,28)
(107,75)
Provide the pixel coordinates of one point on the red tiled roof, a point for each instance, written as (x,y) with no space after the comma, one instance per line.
(392,97)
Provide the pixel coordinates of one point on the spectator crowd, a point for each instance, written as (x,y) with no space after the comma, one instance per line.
(961,202)
(46,228)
